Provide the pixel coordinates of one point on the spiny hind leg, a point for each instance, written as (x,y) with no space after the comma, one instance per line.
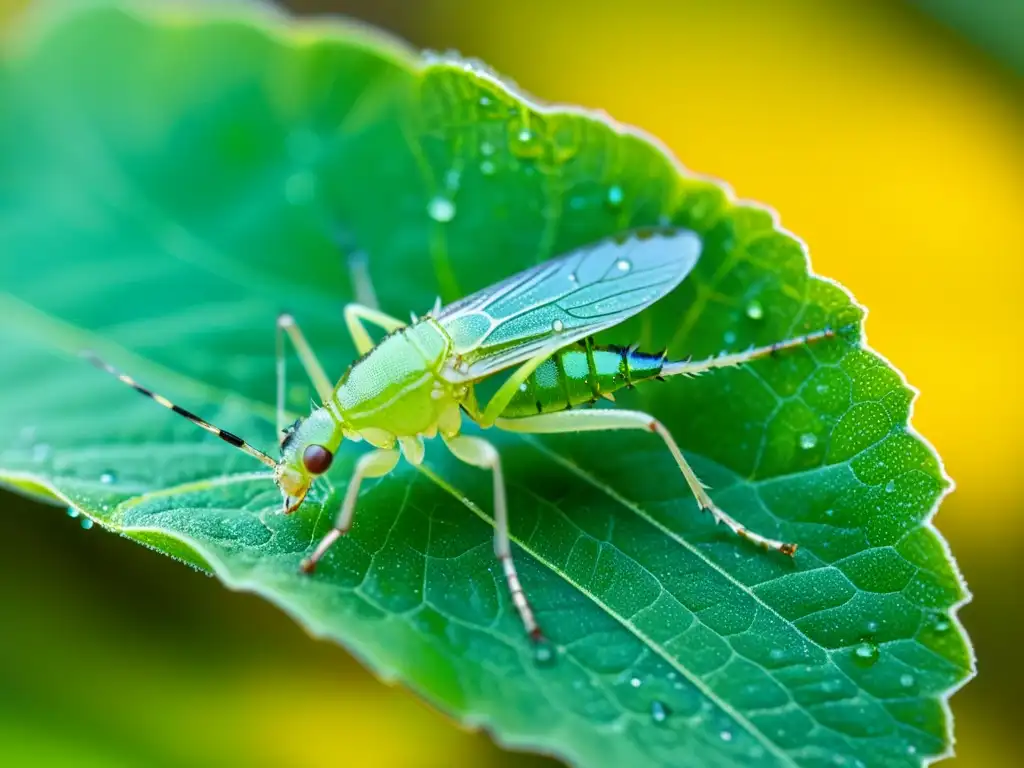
(375,464)
(692,368)
(480,453)
(357,314)
(286,325)
(586,421)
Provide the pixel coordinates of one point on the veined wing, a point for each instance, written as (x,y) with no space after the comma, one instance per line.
(560,301)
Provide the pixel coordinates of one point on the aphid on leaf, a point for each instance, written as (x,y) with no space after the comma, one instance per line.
(418,382)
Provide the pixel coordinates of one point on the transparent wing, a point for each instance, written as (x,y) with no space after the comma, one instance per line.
(560,301)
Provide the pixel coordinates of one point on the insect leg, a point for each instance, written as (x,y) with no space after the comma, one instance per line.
(286,325)
(692,368)
(586,421)
(356,314)
(480,453)
(375,464)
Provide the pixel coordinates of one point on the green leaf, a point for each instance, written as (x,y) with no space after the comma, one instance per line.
(173,181)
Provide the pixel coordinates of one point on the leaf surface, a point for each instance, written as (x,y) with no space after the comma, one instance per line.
(172,181)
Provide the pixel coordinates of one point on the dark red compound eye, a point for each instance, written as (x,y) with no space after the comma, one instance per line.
(317,459)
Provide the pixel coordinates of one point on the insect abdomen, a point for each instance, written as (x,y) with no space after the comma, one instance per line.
(581,374)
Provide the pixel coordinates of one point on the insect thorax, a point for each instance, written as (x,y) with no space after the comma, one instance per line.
(396,390)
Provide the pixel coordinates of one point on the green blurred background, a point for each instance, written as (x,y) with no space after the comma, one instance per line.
(890,136)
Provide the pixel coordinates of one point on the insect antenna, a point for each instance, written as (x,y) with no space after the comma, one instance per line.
(228,437)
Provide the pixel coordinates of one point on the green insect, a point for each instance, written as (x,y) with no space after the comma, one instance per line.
(418,382)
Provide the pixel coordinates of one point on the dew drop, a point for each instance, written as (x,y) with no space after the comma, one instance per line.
(872,627)
(487,168)
(523,387)
(635,682)
(486,149)
(451,179)
(725,735)
(754,310)
(615,196)
(729,337)
(485,101)
(572,277)
(890,486)
(940,624)
(865,654)
(821,389)
(557,326)
(911,749)
(86,523)
(907,680)
(441,209)
(525,136)
(543,653)
(829,512)
(623,265)
(659,712)
(776,654)
(808,440)
(72,512)
(108,478)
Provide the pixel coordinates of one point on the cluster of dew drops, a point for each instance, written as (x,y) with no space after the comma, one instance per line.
(106,478)
(546,655)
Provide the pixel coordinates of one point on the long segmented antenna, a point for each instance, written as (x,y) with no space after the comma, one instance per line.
(228,437)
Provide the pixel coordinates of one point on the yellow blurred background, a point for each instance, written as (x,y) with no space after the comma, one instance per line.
(893,146)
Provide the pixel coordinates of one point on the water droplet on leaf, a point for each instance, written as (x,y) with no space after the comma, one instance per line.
(72,512)
(940,623)
(808,440)
(659,712)
(86,523)
(108,478)
(907,680)
(623,265)
(615,197)
(865,654)
(487,168)
(890,486)
(635,682)
(725,735)
(543,653)
(754,310)
(557,326)
(486,149)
